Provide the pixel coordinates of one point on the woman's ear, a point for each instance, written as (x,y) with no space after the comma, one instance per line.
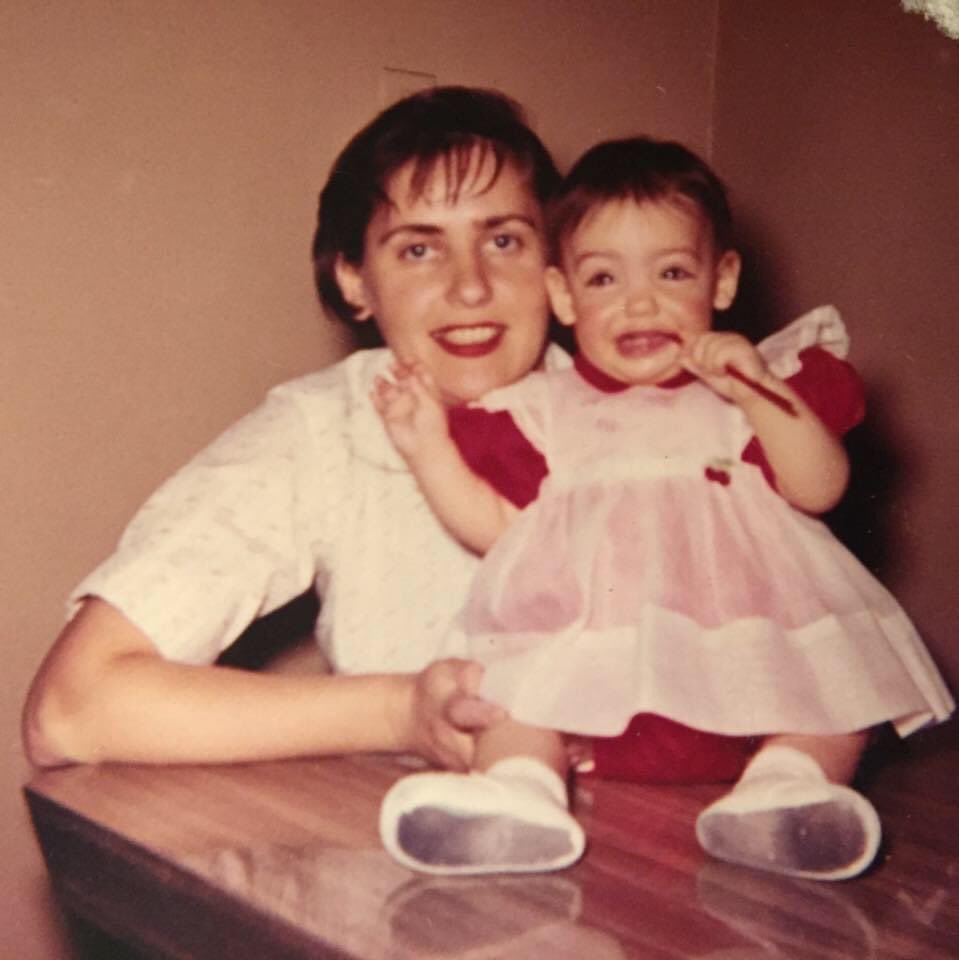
(727,279)
(352,286)
(560,298)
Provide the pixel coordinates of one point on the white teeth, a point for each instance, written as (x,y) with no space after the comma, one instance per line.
(467,336)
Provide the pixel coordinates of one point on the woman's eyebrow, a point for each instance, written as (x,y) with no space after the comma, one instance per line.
(433,229)
(501,219)
(419,229)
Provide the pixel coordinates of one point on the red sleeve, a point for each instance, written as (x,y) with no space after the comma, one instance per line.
(496,449)
(832,389)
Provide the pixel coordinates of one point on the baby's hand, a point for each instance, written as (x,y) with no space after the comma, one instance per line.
(409,405)
(709,355)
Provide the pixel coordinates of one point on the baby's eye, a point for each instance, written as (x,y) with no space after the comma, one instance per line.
(600,278)
(676,272)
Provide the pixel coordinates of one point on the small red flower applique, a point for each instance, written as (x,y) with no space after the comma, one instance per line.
(717,471)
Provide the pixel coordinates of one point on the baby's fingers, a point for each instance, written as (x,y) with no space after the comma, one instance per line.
(426,380)
(390,399)
(711,353)
(380,394)
(423,387)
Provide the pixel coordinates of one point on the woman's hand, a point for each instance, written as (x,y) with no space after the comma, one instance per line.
(441,710)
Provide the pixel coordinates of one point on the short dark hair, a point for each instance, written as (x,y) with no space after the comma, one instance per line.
(639,169)
(441,125)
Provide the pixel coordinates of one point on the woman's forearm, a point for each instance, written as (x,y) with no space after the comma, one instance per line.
(104,694)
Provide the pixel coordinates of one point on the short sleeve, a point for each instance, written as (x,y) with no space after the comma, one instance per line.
(496,449)
(834,392)
(226,539)
(832,388)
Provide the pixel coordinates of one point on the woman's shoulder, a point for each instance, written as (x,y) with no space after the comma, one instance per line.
(303,415)
(343,382)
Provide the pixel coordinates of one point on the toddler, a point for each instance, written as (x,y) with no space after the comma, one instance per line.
(672,562)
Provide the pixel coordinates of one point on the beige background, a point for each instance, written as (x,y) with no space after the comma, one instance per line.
(158,174)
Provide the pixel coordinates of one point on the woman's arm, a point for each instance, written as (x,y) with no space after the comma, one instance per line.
(809,462)
(104,693)
(469,507)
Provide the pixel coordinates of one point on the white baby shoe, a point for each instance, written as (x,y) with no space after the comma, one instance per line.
(511,819)
(786,817)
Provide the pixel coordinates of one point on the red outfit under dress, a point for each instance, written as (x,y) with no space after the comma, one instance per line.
(690,612)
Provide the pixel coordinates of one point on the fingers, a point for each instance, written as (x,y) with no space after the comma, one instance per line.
(438,738)
(450,711)
(469,675)
(707,354)
(465,709)
(390,400)
(713,354)
(473,713)
(397,398)
(408,385)
(381,395)
(453,751)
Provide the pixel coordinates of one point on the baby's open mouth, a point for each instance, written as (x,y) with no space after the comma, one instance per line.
(642,343)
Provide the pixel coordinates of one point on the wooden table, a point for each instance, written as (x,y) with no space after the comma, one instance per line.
(283,860)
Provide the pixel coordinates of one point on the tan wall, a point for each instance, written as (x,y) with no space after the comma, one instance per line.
(157,182)
(836,126)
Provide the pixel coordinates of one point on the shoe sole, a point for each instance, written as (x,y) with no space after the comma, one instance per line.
(831,840)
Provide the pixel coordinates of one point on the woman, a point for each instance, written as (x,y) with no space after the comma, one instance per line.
(430,228)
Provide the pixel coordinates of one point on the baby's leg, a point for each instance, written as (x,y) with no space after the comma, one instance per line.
(510,815)
(791,811)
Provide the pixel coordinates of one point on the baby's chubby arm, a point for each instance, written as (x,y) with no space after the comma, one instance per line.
(809,461)
(416,422)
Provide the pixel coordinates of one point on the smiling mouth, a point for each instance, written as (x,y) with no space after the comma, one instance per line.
(644,343)
(475,340)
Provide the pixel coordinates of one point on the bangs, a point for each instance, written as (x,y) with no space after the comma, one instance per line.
(469,165)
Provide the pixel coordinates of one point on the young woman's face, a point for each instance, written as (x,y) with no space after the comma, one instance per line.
(456,283)
(638,279)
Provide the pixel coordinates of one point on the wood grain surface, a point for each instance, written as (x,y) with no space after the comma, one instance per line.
(283,860)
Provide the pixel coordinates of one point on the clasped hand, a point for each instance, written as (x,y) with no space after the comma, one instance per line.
(443,711)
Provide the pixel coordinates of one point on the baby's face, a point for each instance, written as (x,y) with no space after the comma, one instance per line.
(638,280)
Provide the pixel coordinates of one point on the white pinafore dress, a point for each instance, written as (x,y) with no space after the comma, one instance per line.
(634,583)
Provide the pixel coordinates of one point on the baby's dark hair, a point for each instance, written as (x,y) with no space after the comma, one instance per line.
(639,169)
(439,126)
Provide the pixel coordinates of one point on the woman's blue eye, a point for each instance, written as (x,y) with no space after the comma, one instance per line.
(505,241)
(415,251)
